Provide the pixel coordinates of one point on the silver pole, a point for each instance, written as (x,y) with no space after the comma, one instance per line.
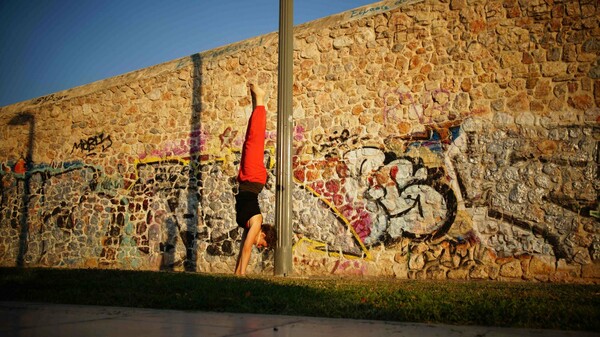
(283,193)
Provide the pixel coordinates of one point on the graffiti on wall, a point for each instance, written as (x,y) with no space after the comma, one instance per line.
(430,193)
(55,192)
(367,11)
(531,180)
(382,196)
(427,193)
(93,145)
(423,167)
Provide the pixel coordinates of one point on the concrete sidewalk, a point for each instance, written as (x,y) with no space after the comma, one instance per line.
(47,320)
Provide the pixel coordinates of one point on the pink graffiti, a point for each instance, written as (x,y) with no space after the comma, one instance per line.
(195,144)
(299,133)
(349,268)
(271,136)
(228,137)
(333,191)
(403,98)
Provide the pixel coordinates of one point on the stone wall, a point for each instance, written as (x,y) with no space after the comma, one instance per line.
(441,139)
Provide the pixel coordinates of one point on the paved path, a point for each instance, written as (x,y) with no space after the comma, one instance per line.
(47,320)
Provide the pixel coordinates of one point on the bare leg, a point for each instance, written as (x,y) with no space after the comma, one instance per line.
(258,94)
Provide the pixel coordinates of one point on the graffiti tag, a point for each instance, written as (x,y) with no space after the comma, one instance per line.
(48,98)
(361,12)
(94,144)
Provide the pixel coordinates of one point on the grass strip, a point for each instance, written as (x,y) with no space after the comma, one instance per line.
(488,303)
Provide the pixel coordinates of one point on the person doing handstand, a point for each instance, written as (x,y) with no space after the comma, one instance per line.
(252,177)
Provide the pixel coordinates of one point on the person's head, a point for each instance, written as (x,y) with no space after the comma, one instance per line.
(267,237)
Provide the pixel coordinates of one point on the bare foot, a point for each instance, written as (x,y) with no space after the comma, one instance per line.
(258,93)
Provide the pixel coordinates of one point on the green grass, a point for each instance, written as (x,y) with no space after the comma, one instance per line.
(526,305)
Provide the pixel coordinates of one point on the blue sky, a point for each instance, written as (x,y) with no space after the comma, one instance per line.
(53,45)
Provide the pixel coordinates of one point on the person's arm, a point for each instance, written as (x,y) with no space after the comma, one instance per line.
(255,222)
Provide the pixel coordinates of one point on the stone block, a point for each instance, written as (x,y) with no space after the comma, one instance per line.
(493,271)
(552,69)
(416,262)
(591,271)
(591,46)
(594,72)
(478,273)
(437,273)
(518,103)
(565,272)
(511,58)
(458,274)
(400,270)
(511,269)
(581,102)
(239,90)
(342,41)
(542,265)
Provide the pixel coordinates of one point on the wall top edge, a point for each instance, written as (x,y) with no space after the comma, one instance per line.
(212,54)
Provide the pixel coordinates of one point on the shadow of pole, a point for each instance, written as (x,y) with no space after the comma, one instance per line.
(193,214)
(186,225)
(25,119)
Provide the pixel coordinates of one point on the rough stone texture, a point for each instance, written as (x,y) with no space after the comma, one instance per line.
(432,139)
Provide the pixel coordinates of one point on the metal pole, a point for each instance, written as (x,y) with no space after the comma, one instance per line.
(283,193)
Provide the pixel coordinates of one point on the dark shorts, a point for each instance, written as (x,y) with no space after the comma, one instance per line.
(246,206)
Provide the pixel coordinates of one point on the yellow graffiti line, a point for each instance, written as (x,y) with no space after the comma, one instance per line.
(185,161)
(156,159)
(320,247)
(271,151)
(342,217)
(314,245)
